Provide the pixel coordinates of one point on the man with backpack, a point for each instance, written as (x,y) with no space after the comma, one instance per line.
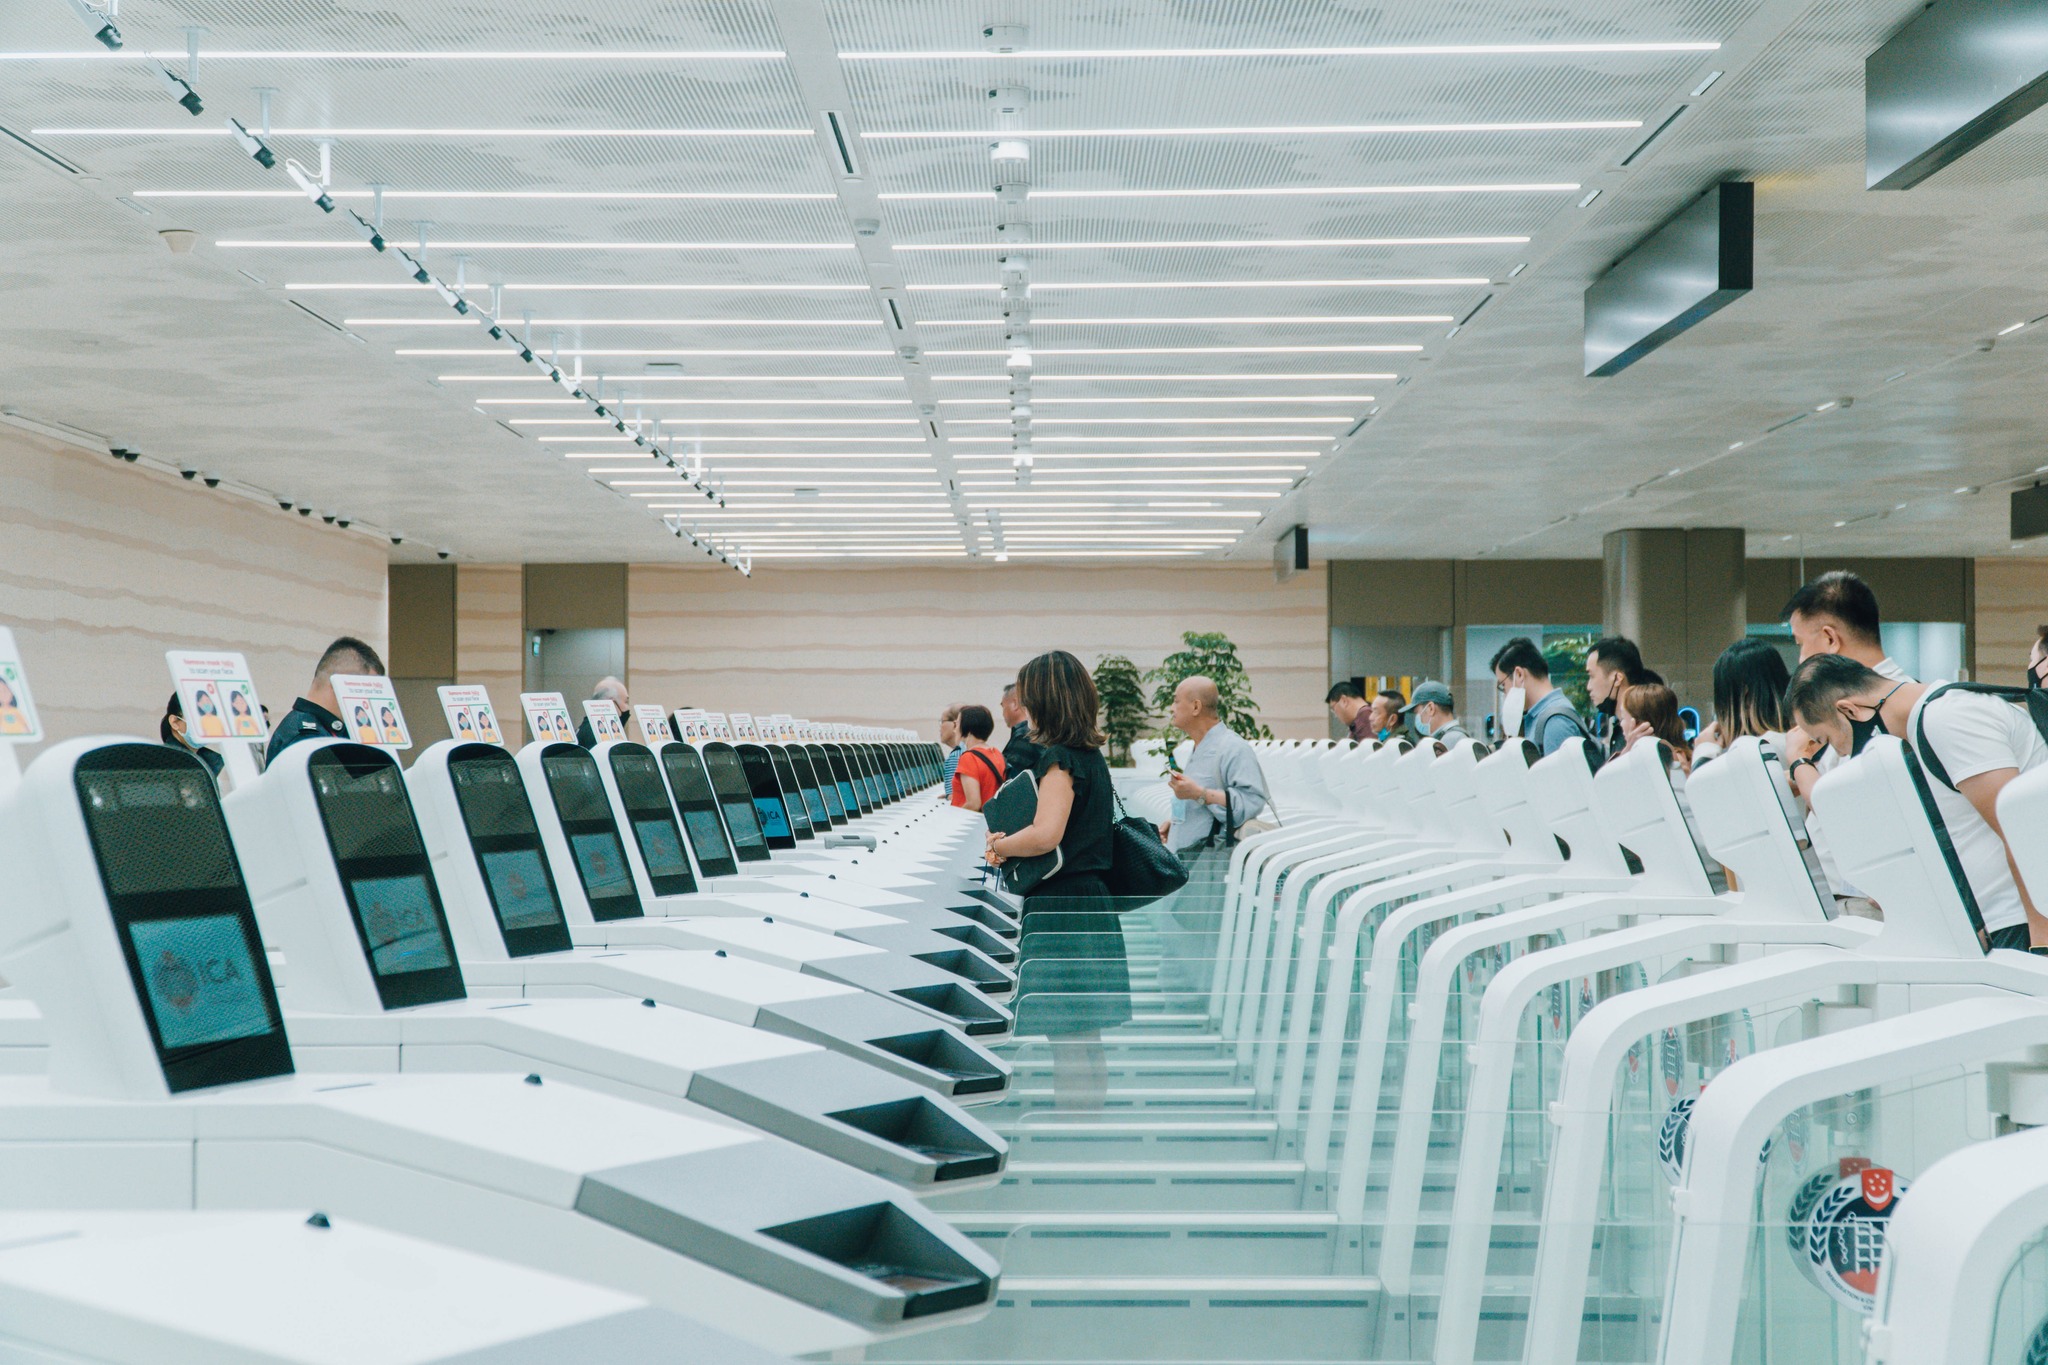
(1969,742)
(1529,705)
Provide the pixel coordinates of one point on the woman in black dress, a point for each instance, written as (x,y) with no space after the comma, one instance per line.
(1074,981)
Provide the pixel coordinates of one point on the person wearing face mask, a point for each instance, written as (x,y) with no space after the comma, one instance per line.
(1434,715)
(1611,665)
(1978,742)
(171,729)
(1834,614)
(1386,713)
(1529,705)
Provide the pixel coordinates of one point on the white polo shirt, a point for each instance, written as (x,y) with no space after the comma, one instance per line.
(1971,734)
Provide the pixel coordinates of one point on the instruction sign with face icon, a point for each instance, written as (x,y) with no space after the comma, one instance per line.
(605,723)
(218,696)
(547,717)
(18,723)
(653,723)
(471,716)
(369,708)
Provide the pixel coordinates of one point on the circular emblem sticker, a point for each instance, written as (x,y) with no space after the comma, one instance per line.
(1840,1241)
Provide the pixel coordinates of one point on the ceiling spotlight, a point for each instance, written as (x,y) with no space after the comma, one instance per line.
(1008,101)
(866,227)
(1003,38)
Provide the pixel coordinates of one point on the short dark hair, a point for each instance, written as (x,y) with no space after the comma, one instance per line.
(1521,652)
(976,722)
(1008,688)
(1060,696)
(1347,688)
(347,649)
(1619,653)
(1845,597)
(1821,681)
(1389,694)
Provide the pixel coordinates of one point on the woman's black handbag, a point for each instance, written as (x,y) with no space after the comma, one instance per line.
(1141,867)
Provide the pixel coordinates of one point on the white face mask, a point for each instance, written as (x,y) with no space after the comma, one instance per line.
(1421,725)
(1512,707)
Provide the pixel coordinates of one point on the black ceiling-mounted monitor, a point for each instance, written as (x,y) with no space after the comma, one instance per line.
(384,870)
(183,916)
(645,798)
(506,841)
(736,802)
(792,793)
(592,835)
(697,803)
(769,806)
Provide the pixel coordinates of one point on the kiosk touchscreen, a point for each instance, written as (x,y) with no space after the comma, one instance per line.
(793,797)
(775,814)
(170,1080)
(847,765)
(833,759)
(506,907)
(690,784)
(821,797)
(673,1058)
(728,779)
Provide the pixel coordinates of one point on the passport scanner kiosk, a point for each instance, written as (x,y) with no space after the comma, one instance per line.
(715,828)
(640,798)
(505,897)
(171,1085)
(342,882)
(605,890)
(289,1288)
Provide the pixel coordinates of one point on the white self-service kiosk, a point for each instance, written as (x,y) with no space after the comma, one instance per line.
(714,853)
(601,885)
(504,898)
(292,1288)
(665,868)
(171,1085)
(343,883)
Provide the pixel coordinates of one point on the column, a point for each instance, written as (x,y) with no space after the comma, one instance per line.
(1681,596)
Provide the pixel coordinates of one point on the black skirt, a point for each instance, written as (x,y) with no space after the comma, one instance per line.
(1075,977)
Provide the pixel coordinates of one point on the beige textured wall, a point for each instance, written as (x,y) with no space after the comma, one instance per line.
(104,566)
(2011,600)
(896,645)
(490,635)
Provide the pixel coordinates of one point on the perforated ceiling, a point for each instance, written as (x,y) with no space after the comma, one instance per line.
(1254,233)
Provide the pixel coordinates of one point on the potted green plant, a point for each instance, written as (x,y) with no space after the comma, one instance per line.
(1209,655)
(1124,713)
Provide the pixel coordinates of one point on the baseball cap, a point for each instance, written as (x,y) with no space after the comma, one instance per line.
(1431,690)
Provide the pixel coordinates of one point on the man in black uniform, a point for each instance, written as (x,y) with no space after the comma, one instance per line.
(1020,754)
(312,716)
(613,691)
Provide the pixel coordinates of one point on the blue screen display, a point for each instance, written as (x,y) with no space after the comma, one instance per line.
(201,981)
(773,821)
(520,890)
(398,916)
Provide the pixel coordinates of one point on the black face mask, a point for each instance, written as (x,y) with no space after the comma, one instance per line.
(2033,681)
(1606,708)
(1861,732)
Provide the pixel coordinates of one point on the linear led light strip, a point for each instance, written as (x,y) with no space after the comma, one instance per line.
(1565,49)
(1037,287)
(906,196)
(316,191)
(1008,248)
(1237,319)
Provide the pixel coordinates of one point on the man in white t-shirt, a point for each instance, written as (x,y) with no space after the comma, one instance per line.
(1980,743)
(1834,614)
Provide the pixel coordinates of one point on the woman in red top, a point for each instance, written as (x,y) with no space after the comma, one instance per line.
(980,770)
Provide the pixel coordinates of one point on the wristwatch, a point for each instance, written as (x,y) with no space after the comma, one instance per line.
(1792,769)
